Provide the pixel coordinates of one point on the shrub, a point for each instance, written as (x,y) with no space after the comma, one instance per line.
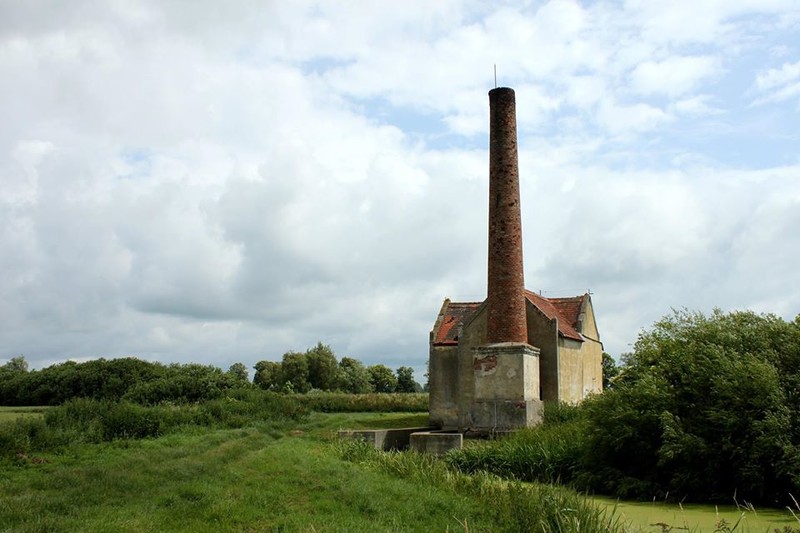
(703,409)
(339,402)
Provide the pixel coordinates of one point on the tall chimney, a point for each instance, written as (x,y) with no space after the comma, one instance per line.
(506,286)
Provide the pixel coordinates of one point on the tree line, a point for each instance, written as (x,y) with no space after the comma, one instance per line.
(317,368)
(150,383)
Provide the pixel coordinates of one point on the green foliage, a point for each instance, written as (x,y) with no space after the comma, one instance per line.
(84,420)
(322,367)
(549,453)
(353,377)
(382,378)
(294,372)
(405,380)
(15,365)
(184,383)
(268,375)
(100,379)
(704,408)
(514,506)
(238,372)
(338,402)
(610,371)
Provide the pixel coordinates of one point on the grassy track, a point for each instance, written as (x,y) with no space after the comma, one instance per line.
(225,480)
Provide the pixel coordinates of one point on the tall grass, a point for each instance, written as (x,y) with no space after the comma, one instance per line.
(515,506)
(90,421)
(340,402)
(551,453)
(85,420)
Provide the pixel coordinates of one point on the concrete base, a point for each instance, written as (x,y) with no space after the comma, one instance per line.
(506,387)
(436,443)
(384,439)
(492,416)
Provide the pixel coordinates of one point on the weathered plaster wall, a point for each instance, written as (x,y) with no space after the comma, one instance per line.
(592,367)
(443,376)
(472,335)
(543,334)
(570,359)
(592,350)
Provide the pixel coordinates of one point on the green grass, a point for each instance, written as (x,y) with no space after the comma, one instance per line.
(249,479)
(698,517)
(9,414)
(289,475)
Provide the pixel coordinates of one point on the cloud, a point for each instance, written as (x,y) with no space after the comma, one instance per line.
(672,76)
(191,183)
(778,84)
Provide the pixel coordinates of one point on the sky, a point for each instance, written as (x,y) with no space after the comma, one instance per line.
(215,182)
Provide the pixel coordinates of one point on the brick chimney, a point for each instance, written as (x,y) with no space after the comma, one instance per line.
(506,286)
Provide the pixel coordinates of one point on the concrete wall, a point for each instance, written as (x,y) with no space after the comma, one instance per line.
(592,368)
(592,350)
(543,334)
(581,363)
(472,336)
(570,364)
(443,376)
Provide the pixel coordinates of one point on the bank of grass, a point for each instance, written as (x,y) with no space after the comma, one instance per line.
(258,478)
(513,506)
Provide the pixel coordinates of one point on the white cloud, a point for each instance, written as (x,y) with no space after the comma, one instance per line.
(196,183)
(622,119)
(672,76)
(778,84)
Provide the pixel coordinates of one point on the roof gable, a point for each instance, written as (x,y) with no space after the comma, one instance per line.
(566,310)
(453,316)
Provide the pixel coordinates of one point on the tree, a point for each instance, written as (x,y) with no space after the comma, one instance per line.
(294,372)
(382,378)
(238,372)
(16,364)
(322,367)
(353,377)
(268,375)
(405,380)
(610,371)
(702,409)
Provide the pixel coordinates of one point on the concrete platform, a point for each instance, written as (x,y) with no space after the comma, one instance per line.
(384,439)
(436,442)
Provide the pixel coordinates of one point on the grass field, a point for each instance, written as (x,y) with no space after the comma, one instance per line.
(253,479)
(274,476)
(13,413)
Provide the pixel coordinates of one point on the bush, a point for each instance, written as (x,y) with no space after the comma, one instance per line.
(702,410)
(339,402)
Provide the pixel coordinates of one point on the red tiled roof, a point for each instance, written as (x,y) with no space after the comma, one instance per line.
(455,315)
(567,310)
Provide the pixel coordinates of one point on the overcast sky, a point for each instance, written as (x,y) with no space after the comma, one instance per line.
(215,182)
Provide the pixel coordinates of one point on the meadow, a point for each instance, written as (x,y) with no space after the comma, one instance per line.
(285,471)
(239,470)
